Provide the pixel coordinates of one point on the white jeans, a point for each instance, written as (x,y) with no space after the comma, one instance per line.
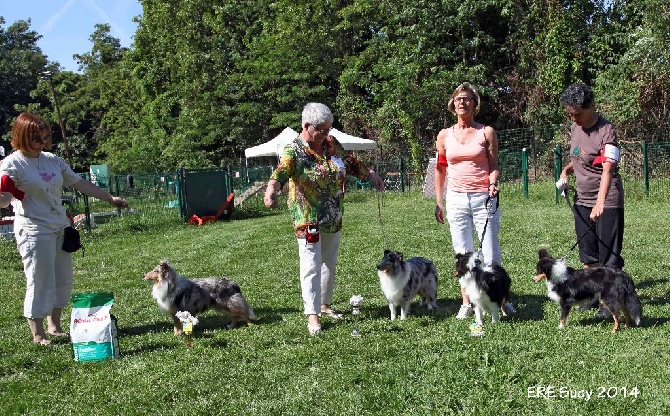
(467,211)
(48,271)
(317,270)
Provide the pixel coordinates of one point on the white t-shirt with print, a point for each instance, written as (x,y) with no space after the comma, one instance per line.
(42,179)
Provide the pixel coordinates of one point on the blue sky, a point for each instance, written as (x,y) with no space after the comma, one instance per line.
(66,25)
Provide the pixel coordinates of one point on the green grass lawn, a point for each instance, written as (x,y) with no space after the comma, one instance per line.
(427,364)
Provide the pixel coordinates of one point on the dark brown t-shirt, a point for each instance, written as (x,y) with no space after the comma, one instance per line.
(585,146)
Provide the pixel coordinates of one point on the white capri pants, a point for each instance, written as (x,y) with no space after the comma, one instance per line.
(467,211)
(317,270)
(48,271)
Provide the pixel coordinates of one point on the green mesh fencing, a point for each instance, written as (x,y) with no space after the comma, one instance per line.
(526,156)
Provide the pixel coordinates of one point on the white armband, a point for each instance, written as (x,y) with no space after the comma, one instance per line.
(611,153)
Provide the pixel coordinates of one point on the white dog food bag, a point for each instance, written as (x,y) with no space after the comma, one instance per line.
(93,328)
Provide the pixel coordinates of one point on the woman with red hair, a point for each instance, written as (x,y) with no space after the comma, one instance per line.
(32,181)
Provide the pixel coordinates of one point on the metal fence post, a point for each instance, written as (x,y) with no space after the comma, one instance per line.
(524,171)
(645,167)
(558,167)
(181,179)
(402,174)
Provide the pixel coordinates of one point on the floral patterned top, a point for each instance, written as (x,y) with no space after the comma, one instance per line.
(316,182)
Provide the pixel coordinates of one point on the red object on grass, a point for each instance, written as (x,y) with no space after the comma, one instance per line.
(223,211)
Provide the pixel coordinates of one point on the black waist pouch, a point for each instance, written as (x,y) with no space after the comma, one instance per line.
(71,240)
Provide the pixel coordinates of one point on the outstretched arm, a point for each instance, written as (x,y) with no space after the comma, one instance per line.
(89,189)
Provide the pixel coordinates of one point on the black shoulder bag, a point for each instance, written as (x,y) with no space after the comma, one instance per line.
(72,240)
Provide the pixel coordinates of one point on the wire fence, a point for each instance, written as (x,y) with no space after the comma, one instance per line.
(526,156)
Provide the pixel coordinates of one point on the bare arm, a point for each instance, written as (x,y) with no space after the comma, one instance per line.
(494,173)
(89,189)
(567,171)
(440,176)
(605,182)
(270,197)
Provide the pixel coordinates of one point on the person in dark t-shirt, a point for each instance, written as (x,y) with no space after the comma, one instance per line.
(594,159)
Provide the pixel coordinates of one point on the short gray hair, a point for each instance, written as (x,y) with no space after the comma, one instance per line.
(577,95)
(315,114)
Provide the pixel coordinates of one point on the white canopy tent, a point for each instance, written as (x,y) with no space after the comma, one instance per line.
(275,147)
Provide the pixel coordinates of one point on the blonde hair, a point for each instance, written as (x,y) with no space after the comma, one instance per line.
(466,86)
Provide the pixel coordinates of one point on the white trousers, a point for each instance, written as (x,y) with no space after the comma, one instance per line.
(466,212)
(48,271)
(317,270)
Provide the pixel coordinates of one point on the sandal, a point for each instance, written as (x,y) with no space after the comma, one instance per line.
(314,329)
(331,313)
(58,334)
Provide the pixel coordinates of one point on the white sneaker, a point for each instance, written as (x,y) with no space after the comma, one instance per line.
(465,312)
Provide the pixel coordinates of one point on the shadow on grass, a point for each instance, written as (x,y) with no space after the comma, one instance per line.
(646,322)
(145,349)
(210,322)
(650,283)
(529,308)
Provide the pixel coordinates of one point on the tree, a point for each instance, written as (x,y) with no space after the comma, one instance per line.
(409,57)
(21,62)
(634,90)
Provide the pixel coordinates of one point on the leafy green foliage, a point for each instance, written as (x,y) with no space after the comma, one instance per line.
(205,80)
(21,62)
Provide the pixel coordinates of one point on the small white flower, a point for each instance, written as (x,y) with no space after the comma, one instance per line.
(356,301)
(185,316)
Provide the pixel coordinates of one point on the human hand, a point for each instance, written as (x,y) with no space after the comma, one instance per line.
(597,211)
(562,184)
(439,214)
(270,199)
(118,202)
(493,190)
(376,181)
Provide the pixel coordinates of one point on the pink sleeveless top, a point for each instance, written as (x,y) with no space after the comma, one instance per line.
(468,164)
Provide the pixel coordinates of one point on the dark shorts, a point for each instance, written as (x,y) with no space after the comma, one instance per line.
(603,241)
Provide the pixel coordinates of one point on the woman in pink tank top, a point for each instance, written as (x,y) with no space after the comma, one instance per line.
(467,155)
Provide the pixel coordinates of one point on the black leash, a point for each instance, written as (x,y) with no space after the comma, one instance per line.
(590,224)
(489,214)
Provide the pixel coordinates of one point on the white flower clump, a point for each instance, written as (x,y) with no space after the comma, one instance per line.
(185,316)
(356,301)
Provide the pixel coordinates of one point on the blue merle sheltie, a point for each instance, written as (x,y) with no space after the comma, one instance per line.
(401,280)
(612,287)
(487,287)
(174,293)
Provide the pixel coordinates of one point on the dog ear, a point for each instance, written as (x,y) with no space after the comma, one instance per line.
(164,265)
(386,251)
(542,253)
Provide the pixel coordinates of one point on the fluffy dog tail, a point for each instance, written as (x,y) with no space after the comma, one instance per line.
(633,304)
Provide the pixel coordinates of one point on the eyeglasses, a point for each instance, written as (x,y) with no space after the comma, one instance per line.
(463,100)
(42,140)
(326,130)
